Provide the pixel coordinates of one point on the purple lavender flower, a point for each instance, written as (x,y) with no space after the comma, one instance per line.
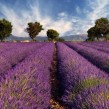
(16,53)
(80,81)
(98,58)
(27,85)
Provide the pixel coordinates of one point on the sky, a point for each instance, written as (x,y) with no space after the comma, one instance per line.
(68,17)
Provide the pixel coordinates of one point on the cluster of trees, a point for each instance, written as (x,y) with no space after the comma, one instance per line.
(33,30)
(99,30)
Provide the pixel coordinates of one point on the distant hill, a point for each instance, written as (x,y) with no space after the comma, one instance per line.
(40,38)
(81,37)
(12,38)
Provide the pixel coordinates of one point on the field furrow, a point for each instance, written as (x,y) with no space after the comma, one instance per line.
(96,46)
(98,58)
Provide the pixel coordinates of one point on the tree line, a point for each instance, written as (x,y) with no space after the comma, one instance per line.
(99,30)
(33,29)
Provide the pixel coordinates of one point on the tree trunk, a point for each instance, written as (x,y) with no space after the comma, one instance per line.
(33,39)
(106,39)
(1,40)
(97,38)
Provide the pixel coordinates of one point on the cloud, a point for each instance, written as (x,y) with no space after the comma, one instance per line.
(64,23)
(63,26)
(99,9)
(78,10)
(63,14)
(96,9)
(19,22)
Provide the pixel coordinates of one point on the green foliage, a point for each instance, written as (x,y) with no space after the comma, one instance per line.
(92,32)
(52,35)
(101,29)
(107,37)
(90,39)
(88,83)
(34,29)
(102,25)
(5,29)
(60,40)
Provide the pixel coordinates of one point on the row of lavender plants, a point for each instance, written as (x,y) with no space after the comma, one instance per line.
(98,58)
(103,44)
(96,46)
(82,85)
(27,86)
(15,54)
(6,46)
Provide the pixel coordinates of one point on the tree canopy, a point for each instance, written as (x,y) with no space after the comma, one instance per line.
(100,29)
(61,40)
(34,29)
(102,25)
(5,29)
(52,34)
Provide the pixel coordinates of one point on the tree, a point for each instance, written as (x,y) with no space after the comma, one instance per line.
(100,30)
(52,35)
(5,29)
(34,29)
(60,40)
(92,34)
(102,25)
(107,37)
(90,39)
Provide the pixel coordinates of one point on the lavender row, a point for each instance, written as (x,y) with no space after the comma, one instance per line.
(12,57)
(96,46)
(27,86)
(104,44)
(82,85)
(98,58)
(6,46)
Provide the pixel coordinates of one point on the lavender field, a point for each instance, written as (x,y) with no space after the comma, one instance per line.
(47,75)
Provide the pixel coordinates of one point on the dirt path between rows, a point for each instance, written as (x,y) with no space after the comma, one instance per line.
(55,103)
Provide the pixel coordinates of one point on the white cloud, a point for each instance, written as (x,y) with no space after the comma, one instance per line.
(63,24)
(63,14)
(98,9)
(15,19)
(78,10)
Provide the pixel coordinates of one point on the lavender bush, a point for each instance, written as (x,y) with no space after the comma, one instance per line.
(97,46)
(6,46)
(27,86)
(15,54)
(102,44)
(82,85)
(98,58)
